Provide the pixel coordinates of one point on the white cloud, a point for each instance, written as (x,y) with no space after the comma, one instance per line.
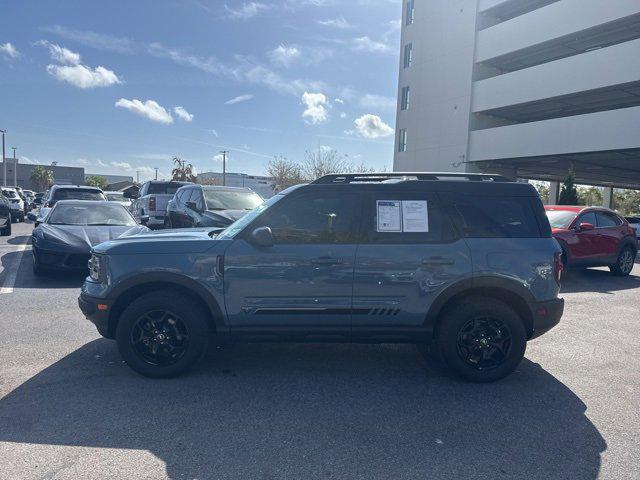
(61,54)
(29,161)
(148,109)
(316,111)
(366,44)
(339,100)
(377,102)
(343,115)
(8,50)
(339,22)
(239,99)
(246,11)
(82,76)
(214,132)
(82,161)
(121,165)
(217,158)
(372,126)
(182,114)
(284,55)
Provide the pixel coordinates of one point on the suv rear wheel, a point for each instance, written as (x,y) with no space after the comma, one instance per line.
(624,265)
(162,334)
(481,339)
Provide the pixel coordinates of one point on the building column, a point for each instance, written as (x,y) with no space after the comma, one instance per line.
(607,197)
(554,193)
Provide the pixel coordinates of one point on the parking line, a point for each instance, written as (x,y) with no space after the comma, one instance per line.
(10,279)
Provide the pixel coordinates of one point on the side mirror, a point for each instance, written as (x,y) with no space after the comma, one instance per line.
(262,237)
(585,226)
(144,219)
(32,216)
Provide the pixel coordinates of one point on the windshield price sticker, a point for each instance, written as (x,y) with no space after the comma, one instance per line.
(389,216)
(411,216)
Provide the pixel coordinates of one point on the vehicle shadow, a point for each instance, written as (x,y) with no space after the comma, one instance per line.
(597,280)
(21,240)
(310,411)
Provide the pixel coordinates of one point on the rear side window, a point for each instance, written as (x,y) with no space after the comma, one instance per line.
(495,217)
(606,220)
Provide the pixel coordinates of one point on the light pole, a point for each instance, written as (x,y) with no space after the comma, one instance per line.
(4,161)
(15,168)
(156,169)
(224,166)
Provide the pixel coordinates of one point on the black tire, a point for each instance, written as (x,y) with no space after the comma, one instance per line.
(6,231)
(21,219)
(188,334)
(459,346)
(624,263)
(167,223)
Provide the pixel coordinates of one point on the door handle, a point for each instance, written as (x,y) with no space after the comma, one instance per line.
(327,261)
(437,261)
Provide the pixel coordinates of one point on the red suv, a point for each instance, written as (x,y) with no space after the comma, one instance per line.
(593,237)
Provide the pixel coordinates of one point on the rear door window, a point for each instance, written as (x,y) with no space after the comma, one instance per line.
(163,188)
(495,217)
(607,220)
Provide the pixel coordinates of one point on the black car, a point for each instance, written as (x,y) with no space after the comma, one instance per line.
(5,216)
(63,241)
(73,192)
(209,206)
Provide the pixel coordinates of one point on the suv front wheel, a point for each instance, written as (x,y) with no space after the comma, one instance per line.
(162,334)
(481,339)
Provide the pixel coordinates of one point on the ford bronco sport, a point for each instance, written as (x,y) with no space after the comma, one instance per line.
(465,262)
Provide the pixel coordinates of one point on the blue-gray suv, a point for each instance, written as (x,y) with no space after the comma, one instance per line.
(463,262)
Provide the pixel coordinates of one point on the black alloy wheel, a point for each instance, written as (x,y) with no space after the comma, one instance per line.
(484,343)
(160,338)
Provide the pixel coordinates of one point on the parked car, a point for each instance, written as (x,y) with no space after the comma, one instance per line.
(209,206)
(119,198)
(634,222)
(16,203)
(63,241)
(150,205)
(5,216)
(469,266)
(593,237)
(39,197)
(69,192)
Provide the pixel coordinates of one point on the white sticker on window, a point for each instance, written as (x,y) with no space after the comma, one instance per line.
(415,216)
(389,215)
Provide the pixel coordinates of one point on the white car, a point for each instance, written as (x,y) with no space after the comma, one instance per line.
(118,197)
(634,222)
(15,202)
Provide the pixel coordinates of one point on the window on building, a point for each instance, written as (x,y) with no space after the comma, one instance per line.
(410,12)
(402,140)
(404,99)
(408,55)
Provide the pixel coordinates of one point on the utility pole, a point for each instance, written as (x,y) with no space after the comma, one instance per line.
(4,160)
(15,168)
(156,169)
(224,166)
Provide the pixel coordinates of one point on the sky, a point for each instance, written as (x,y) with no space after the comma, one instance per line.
(121,87)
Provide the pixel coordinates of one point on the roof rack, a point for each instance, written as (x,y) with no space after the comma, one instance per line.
(408,176)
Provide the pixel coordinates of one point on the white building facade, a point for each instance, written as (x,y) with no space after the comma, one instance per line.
(263,186)
(528,88)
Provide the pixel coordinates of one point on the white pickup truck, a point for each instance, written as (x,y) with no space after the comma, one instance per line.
(150,205)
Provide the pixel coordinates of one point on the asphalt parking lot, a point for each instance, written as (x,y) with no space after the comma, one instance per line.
(69,407)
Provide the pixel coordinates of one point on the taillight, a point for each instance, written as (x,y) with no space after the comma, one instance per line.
(558,267)
(152,203)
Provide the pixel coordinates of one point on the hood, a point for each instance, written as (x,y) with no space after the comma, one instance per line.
(187,240)
(86,237)
(224,217)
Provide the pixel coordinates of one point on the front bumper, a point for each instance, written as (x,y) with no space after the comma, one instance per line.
(61,261)
(546,315)
(97,312)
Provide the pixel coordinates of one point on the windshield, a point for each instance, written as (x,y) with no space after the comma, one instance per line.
(560,218)
(164,188)
(115,197)
(231,200)
(237,226)
(90,214)
(78,194)
(9,193)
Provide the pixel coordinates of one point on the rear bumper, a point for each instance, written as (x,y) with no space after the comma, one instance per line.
(546,315)
(99,317)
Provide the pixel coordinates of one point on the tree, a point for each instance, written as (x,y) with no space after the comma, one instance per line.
(568,192)
(285,173)
(41,178)
(97,181)
(543,190)
(589,196)
(322,162)
(627,202)
(182,171)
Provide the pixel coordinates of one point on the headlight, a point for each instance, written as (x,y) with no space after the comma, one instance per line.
(98,268)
